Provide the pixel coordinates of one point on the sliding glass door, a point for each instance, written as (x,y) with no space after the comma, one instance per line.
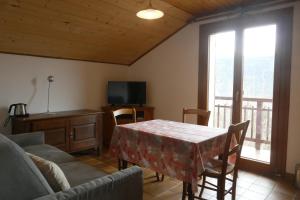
(258,83)
(242,60)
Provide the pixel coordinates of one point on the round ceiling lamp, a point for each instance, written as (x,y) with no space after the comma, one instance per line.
(150,13)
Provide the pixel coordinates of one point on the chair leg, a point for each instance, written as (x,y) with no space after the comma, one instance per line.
(97,149)
(233,192)
(221,189)
(184,190)
(157,176)
(203,185)
(190,192)
(233,195)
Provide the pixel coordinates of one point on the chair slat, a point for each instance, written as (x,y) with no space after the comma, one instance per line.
(203,114)
(124,111)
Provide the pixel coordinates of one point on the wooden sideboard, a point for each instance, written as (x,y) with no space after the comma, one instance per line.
(143,113)
(70,131)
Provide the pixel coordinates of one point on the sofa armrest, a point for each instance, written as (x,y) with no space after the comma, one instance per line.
(122,185)
(27,139)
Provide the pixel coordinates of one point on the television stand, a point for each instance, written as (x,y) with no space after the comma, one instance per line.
(143,113)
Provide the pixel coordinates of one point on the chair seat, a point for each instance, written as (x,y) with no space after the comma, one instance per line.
(213,167)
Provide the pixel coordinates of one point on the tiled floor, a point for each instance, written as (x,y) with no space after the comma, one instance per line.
(249,187)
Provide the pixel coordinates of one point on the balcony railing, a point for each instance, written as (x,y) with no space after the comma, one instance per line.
(257,110)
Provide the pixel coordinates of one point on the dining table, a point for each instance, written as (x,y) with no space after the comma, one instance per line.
(175,149)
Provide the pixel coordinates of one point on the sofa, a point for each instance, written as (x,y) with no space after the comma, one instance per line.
(20,179)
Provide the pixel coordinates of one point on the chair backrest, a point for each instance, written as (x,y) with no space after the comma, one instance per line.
(202,114)
(124,111)
(236,132)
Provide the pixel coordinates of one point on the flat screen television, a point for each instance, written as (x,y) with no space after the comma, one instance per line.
(126,93)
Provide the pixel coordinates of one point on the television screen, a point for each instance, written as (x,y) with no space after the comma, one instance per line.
(126,93)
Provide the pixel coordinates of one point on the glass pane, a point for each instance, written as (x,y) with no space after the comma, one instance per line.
(258,63)
(221,67)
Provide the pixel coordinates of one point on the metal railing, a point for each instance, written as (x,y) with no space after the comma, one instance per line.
(257,110)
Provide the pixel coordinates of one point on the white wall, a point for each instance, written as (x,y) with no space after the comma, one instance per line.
(171,71)
(77,84)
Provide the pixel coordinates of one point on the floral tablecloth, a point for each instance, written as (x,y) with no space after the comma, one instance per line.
(171,148)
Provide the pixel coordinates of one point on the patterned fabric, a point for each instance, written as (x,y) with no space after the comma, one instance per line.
(171,148)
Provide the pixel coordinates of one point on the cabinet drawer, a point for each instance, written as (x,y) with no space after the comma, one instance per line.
(48,124)
(90,119)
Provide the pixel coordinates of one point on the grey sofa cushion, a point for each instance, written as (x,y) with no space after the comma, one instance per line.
(27,139)
(123,185)
(49,153)
(19,177)
(78,173)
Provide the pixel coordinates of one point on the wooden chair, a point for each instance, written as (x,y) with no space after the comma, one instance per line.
(119,112)
(219,169)
(202,114)
(124,111)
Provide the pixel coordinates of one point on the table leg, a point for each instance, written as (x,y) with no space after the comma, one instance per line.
(190,192)
(124,164)
(97,149)
(184,190)
(119,164)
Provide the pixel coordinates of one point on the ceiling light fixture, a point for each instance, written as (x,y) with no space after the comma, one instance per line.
(150,13)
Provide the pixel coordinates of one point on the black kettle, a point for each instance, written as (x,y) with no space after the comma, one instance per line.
(18,110)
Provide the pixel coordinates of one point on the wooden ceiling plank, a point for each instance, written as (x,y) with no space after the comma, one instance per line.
(115,44)
(207,7)
(106,14)
(135,6)
(69,51)
(64,45)
(96,30)
(32,26)
(35,22)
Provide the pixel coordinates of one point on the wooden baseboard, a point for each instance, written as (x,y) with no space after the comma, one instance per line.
(255,167)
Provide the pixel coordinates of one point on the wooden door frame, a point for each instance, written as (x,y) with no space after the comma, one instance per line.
(281,97)
(203,74)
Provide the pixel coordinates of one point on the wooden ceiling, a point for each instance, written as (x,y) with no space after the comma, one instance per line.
(207,7)
(96,30)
